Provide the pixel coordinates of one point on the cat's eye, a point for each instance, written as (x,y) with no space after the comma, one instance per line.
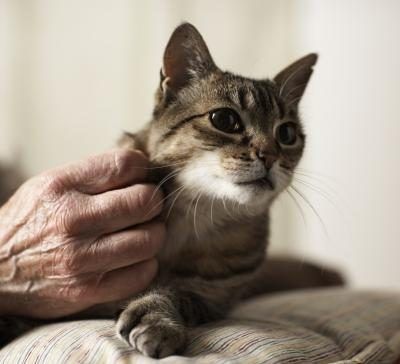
(226,120)
(286,133)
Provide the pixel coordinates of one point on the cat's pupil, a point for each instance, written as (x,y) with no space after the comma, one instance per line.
(287,133)
(226,120)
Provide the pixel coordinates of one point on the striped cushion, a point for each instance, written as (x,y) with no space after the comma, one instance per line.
(316,326)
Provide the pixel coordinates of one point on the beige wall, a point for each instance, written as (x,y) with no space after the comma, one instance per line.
(73,74)
(353,121)
(81,71)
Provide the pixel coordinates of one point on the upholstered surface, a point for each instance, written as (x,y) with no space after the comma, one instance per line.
(316,326)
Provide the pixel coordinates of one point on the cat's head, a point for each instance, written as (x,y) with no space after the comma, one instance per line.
(224,135)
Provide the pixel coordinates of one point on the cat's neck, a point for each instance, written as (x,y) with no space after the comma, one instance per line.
(203,228)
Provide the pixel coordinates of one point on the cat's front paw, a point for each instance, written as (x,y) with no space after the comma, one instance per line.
(154,334)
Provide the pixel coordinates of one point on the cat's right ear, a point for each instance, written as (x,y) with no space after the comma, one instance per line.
(186,58)
(293,80)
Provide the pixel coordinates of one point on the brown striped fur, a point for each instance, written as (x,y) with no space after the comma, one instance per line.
(217,224)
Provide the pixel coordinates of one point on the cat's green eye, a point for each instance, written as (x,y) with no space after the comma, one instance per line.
(286,133)
(226,120)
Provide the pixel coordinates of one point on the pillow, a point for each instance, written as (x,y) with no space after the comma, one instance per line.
(313,326)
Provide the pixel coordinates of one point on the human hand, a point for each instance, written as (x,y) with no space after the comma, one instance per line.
(79,235)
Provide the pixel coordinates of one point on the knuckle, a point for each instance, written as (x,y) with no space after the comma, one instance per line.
(68,217)
(141,196)
(50,183)
(125,159)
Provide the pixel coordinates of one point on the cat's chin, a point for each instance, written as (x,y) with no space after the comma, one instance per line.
(262,184)
(256,195)
(253,193)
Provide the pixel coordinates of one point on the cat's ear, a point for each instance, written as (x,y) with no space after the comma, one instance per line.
(186,58)
(293,80)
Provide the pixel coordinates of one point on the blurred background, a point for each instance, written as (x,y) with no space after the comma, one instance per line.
(75,73)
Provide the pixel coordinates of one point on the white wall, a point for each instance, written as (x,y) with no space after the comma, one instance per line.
(74,73)
(81,71)
(353,121)
(7,36)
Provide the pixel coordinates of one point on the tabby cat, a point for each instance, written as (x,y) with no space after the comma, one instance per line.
(222,147)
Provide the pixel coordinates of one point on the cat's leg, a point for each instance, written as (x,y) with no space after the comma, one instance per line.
(286,274)
(156,323)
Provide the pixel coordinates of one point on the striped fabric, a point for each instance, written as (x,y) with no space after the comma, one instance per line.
(316,326)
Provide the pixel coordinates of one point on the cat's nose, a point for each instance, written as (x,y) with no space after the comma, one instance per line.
(261,154)
(266,157)
(264,151)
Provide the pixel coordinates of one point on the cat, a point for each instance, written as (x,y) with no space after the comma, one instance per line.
(222,147)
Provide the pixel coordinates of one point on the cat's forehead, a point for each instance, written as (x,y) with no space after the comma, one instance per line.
(250,94)
(258,97)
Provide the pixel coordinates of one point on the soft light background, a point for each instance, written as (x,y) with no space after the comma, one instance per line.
(73,74)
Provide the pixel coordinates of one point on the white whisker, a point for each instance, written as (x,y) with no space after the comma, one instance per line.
(161,202)
(181,189)
(298,206)
(311,206)
(194,217)
(173,174)
(212,205)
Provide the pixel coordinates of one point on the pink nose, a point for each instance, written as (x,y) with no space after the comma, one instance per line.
(266,157)
(264,150)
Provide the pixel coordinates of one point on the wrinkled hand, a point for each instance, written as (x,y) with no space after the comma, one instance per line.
(79,235)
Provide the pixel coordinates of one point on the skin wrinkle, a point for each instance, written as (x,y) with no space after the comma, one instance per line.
(9,235)
(41,251)
(17,251)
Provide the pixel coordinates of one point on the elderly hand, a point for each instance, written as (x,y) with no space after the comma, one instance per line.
(79,235)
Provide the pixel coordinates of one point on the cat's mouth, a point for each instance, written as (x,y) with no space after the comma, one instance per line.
(263,182)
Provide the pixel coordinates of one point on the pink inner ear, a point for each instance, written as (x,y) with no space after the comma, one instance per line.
(185,56)
(294,78)
(176,64)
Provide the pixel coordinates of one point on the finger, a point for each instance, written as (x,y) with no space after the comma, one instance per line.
(115,169)
(121,249)
(125,282)
(118,209)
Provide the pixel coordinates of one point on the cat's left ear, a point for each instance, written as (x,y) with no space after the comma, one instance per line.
(186,58)
(293,80)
